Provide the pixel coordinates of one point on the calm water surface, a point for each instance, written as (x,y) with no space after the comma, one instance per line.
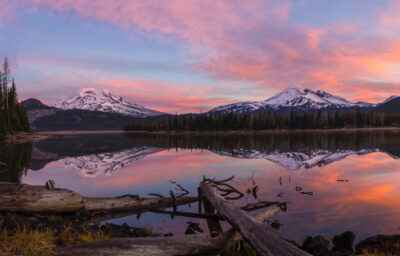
(111,165)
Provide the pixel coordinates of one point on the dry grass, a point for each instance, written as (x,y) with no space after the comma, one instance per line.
(376,253)
(23,242)
(35,242)
(68,236)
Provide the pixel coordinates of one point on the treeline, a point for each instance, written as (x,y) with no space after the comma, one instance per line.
(270,120)
(13,117)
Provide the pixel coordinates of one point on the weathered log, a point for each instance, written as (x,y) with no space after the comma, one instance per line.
(262,216)
(190,214)
(167,246)
(34,199)
(213,224)
(27,198)
(129,204)
(264,239)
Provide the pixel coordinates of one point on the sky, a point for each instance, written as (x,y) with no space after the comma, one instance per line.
(181,56)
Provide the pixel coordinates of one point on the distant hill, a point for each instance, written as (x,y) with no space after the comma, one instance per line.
(390,106)
(32,104)
(46,118)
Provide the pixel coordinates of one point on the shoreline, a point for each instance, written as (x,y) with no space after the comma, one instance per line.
(35,136)
(227,132)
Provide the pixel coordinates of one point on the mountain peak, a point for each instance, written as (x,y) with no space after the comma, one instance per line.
(294,87)
(105,101)
(293,97)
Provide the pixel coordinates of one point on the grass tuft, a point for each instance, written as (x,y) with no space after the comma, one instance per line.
(376,253)
(69,236)
(23,242)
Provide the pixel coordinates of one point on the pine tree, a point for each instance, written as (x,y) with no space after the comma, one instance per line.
(13,116)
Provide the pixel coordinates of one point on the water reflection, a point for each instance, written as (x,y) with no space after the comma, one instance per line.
(95,155)
(15,160)
(354,177)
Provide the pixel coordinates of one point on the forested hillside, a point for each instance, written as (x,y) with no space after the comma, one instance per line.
(13,117)
(270,120)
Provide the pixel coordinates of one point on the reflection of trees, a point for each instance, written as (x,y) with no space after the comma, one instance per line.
(385,141)
(15,159)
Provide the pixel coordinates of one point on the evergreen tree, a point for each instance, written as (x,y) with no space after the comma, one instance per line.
(13,117)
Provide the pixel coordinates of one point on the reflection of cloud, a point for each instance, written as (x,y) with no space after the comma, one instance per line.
(368,204)
(106,164)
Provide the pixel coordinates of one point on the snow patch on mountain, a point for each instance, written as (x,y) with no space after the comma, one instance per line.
(105,101)
(390,98)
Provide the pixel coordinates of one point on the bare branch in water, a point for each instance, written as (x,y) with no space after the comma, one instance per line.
(189,214)
(261,204)
(156,195)
(138,197)
(181,188)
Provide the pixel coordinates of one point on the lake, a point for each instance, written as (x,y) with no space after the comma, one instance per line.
(354,177)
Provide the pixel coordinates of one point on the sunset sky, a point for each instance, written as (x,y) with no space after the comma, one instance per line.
(193,55)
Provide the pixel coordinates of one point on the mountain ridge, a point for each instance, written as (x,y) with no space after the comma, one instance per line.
(46,118)
(294,97)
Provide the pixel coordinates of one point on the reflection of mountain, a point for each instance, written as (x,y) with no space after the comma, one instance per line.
(92,155)
(105,164)
(296,161)
(293,151)
(103,154)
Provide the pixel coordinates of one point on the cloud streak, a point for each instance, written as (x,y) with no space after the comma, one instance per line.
(255,42)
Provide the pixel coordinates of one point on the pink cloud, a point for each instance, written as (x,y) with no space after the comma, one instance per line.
(388,16)
(255,42)
(6,10)
(164,96)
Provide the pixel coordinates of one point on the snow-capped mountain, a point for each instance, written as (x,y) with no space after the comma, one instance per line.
(296,161)
(293,97)
(390,98)
(106,164)
(105,101)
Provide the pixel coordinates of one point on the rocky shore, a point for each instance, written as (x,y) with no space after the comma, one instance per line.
(343,245)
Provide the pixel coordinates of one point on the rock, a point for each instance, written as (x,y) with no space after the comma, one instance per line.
(276,225)
(380,244)
(293,243)
(193,228)
(344,242)
(316,245)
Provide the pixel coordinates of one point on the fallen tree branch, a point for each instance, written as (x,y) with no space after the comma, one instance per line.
(34,199)
(189,214)
(263,238)
(198,244)
(126,204)
(150,246)
(181,188)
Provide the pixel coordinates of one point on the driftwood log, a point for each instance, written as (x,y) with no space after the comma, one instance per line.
(126,204)
(167,246)
(35,199)
(263,238)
